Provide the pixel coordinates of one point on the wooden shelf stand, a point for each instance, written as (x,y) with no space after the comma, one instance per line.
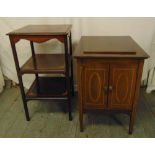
(61,87)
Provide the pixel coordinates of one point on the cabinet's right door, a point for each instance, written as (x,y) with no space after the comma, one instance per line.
(122,84)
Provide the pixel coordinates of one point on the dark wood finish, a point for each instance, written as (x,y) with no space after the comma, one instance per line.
(135,101)
(42,30)
(41,33)
(109,52)
(115,77)
(70,49)
(80,92)
(67,58)
(37,38)
(20,79)
(45,63)
(109,44)
(34,61)
(122,83)
(95,85)
(45,87)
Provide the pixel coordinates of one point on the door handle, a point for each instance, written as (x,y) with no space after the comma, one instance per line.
(106,89)
(110,88)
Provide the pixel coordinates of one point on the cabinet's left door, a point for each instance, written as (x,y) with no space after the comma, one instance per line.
(95,84)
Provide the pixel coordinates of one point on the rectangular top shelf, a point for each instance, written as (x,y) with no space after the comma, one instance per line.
(42,30)
(109,47)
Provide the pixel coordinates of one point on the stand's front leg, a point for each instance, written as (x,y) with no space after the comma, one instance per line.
(132,120)
(19,77)
(81,119)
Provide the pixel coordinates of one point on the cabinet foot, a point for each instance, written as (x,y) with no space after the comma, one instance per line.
(27,115)
(81,121)
(73,94)
(28,119)
(70,117)
(81,130)
(130,127)
(132,121)
(26,111)
(130,132)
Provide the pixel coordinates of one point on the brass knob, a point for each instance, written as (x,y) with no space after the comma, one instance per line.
(110,88)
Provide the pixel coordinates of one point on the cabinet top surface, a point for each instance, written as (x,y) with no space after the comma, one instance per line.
(109,47)
(42,30)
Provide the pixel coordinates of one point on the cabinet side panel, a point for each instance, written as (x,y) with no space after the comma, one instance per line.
(136,95)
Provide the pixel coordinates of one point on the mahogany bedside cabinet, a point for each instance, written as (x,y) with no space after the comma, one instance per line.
(45,87)
(109,70)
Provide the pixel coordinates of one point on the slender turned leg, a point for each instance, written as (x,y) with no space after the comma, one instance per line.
(81,119)
(35,65)
(26,110)
(69,97)
(72,81)
(68,82)
(23,97)
(132,120)
(80,95)
(69,108)
(19,78)
(84,111)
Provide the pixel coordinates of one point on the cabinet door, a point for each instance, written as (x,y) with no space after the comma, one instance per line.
(122,85)
(95,82)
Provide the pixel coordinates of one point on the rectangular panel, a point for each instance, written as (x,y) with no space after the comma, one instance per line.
(122,85)
(95,82)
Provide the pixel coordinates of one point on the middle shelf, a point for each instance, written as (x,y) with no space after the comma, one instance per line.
(44,63)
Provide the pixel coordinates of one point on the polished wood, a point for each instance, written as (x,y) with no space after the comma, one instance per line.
(40,33)
(36,38)
(108,44)
(42,30)
(70,49)
(44,63)
(20,79)
(68,83)
(109,81)
(122,81)
(109,52)
(80,92)
(43,88)
(95,85)
(135,101)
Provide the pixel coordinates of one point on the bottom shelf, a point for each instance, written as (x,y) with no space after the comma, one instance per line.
(48,87)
